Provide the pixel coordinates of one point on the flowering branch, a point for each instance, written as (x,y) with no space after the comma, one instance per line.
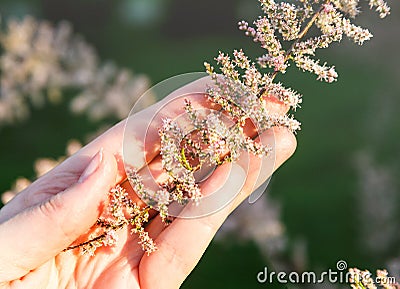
(301,35)
(241,92)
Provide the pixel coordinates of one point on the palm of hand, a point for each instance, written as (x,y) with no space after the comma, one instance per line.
(118,266)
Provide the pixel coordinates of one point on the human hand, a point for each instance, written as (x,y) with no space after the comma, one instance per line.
(64,204)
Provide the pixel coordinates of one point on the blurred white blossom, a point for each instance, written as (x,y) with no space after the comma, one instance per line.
(44,165)
(41,167)
(259,222)
(376,203)
(19,185)
(40,60)
(73,146)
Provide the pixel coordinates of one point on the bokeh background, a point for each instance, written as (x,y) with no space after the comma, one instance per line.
(336,199)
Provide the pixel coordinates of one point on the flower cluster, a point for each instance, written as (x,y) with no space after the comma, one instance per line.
(122,211)
(212,140)
(380,6)
(41,166)
(364,280)
(287,22)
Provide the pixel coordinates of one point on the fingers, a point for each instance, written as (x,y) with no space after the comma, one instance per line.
(260,169)
(181,245)
(38,233)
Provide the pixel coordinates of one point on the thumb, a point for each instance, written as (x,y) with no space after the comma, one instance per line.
(39,233)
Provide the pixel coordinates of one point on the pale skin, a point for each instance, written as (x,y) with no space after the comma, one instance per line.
(62,205)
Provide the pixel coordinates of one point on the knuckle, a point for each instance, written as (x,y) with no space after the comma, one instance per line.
(52,207)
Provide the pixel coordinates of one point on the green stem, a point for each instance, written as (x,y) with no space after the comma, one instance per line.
(184,160)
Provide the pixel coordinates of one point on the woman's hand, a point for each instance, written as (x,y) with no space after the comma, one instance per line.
(65,203)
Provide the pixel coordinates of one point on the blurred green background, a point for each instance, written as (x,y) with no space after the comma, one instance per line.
(333,192)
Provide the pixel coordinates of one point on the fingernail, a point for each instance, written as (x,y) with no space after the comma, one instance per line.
(92,167)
